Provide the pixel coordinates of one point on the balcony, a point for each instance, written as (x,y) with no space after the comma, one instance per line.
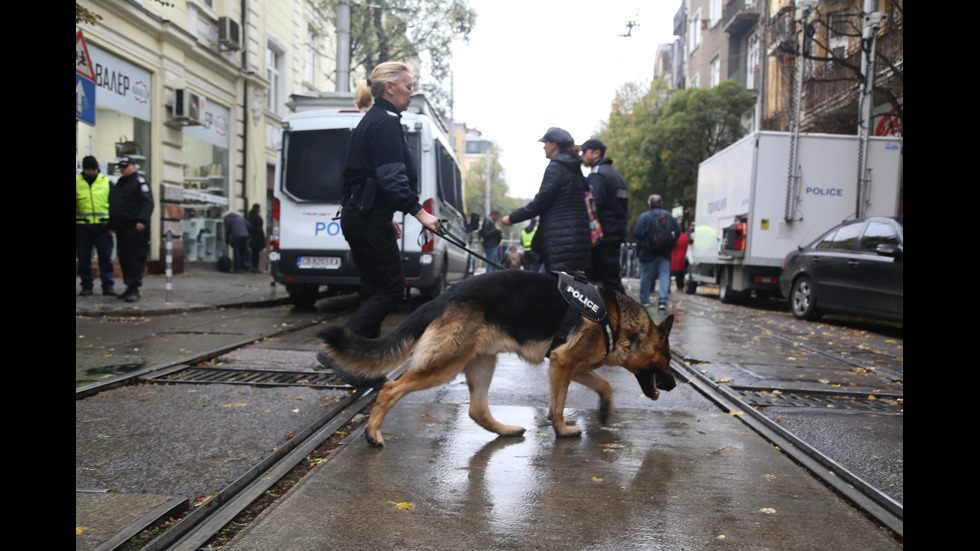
(739,17)
(838,83)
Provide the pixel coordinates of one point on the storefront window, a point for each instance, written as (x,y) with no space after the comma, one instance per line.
(122,116)
(206,176)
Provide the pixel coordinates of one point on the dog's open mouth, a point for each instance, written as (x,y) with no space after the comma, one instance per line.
(651,381)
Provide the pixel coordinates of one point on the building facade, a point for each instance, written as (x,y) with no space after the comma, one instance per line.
(758,42)
(196,90)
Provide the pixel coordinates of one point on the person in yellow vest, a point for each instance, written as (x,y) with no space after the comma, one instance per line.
(92,227)
(530,259)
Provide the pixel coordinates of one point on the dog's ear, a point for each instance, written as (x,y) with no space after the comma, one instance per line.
(664,327)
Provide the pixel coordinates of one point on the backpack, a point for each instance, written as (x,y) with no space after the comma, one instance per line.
(661,238)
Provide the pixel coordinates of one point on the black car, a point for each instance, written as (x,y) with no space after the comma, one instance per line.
(855,268)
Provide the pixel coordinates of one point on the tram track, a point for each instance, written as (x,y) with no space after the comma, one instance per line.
(741,402)
(201,525)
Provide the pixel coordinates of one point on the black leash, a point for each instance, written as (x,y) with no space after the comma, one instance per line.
(441,232)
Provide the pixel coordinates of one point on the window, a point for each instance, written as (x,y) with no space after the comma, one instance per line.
(839,25)
(879,233)
(311,48)
(715,12)
(752,63)
(715,72)
(275,71)
(694,31)
(845,238)
(314,164)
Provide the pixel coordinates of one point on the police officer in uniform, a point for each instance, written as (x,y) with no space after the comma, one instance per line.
(130,208)
(380,177)
(92,227)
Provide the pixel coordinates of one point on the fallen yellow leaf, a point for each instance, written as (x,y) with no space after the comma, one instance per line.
(596,479)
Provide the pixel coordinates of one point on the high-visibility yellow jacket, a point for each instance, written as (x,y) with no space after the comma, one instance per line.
(92,201)
(527,237)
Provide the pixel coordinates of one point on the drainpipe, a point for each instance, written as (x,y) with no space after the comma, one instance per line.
(343,46)
(244,107)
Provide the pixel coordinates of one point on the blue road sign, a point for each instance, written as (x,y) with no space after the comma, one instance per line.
(84,100)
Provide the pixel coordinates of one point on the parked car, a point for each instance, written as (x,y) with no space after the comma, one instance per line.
(855,268)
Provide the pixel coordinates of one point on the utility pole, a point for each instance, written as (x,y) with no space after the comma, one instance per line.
(803,9)
(871,21)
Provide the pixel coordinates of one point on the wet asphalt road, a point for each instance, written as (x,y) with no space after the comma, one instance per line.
(760,344)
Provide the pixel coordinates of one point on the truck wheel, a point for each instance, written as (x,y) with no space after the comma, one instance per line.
(725,291)
(803,299)
(303,296)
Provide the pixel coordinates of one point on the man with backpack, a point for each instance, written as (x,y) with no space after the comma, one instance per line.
(656,233)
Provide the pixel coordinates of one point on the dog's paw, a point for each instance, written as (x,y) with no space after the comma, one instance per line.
(375,440)
(568,433)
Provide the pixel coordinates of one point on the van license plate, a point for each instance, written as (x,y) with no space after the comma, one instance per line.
(318,262)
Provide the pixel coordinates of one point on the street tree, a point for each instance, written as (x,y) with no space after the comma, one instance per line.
(406,30)
(657,137)
(475,193)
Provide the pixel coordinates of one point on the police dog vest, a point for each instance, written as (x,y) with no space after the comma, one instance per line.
(583,300)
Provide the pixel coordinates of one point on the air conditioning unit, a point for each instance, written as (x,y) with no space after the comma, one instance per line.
(228,33)
(188,107)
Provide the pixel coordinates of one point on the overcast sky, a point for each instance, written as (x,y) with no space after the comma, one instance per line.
(533,64)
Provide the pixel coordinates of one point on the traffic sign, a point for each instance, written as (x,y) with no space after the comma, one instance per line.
(83,61)
(84,82)
(84,100)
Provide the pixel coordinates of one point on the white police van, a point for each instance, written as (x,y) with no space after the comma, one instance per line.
(308,248)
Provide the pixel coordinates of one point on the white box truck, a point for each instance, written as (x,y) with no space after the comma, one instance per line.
(750,213)
(308,246)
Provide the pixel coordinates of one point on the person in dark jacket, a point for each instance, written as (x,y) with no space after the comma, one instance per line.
(236,235)
(654,263)
(256,236)
(563,237)
(130,208)
(380,177)
(611,196)
(491,235)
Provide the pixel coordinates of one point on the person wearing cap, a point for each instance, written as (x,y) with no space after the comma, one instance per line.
(563,238)
(92,227)
(611,196)
(130,208)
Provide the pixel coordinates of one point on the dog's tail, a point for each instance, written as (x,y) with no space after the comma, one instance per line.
(375,357)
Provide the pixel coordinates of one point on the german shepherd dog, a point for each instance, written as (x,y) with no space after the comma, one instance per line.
(463,329)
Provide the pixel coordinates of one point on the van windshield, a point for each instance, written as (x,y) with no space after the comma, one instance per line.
(314,163)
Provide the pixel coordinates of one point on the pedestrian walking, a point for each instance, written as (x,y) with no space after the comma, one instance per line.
(564,242)
(656,233)
(380,178)
(611,196)
(678,260)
